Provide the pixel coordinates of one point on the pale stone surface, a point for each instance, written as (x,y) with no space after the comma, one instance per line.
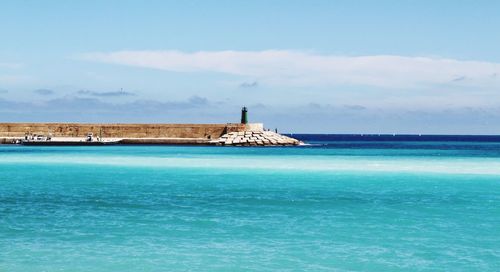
(254,127)
(256,138)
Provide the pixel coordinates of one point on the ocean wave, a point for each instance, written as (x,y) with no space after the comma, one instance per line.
(486,166)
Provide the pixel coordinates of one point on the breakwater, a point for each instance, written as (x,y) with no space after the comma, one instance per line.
(256,138)
(209,131)
(140,133)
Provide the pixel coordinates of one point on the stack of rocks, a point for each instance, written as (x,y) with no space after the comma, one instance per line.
(255,138)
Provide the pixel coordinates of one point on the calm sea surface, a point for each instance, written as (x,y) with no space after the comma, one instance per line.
(341,204)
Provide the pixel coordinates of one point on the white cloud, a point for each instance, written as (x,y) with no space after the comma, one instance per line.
(284,67)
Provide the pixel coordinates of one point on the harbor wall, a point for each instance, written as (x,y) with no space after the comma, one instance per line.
(200,131)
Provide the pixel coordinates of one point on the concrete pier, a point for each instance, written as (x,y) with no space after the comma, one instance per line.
(193,134)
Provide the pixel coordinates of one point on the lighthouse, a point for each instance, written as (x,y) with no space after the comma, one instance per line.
(244,117)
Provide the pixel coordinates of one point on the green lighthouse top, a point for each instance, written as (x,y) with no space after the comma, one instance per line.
(244,117)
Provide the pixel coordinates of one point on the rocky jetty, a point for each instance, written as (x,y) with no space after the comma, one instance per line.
(230,134)
(255,138)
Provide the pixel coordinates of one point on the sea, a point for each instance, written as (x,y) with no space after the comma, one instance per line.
(338,203)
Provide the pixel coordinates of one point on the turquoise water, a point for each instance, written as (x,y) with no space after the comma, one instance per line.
(404,206)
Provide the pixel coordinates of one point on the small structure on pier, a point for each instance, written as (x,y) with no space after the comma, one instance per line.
(244,115)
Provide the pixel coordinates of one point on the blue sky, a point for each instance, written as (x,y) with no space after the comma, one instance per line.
(300,66)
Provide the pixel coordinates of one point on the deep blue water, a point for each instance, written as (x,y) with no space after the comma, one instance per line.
(340,204)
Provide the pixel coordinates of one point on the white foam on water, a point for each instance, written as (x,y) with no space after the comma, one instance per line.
(489,166)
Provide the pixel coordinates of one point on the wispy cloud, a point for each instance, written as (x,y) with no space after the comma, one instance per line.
(44,92)
(249,84)
(3,91)
(285,67)
(105,94)
(197,100)
(354,107)
(459,78)
(77,104)
(308,118)
(92,109)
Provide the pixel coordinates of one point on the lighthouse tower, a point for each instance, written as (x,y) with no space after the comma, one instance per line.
(244,117)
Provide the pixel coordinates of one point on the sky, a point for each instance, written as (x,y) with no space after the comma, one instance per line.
(429,67)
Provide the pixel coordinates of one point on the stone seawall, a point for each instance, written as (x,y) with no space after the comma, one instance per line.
(201,131)
(195,134)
